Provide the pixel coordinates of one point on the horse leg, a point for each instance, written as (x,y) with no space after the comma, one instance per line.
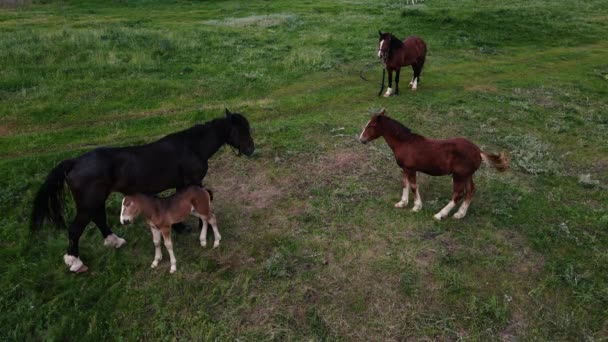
(389,90)
(72,257)
(203,237)
(470,187)
(457,192)
(417,68)
(166,231)
(405,193)
(158,255)
(216,233)
(397,72)
(110,239)
(411,177)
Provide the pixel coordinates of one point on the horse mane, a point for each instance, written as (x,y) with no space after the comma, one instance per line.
(397,129)
(195,131)
(395,43)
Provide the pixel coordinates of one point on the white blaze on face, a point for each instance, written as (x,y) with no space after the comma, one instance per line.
(361,139)
(125,216)
(380,49)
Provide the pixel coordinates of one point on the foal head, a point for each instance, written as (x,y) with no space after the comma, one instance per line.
(240,133)
(372,130)
(130,210)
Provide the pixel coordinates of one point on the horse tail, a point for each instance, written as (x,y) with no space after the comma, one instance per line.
(498,161)
(48,202)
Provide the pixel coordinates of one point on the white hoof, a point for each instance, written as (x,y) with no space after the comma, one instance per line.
(216,243)
(154,264)
(459,215)
(113,240)
(173,269)
(389,92)
(438,217)
(203,243)
(400,204)
(76,265)
(416,208)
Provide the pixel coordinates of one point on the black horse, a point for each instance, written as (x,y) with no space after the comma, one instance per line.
(175,161)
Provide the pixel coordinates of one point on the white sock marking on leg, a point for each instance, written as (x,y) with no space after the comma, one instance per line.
(445,211)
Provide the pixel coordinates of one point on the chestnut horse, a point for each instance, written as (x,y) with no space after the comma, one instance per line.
(395,54)
(161,213)
(458,157)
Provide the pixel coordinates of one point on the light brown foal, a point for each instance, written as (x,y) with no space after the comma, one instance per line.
(161,213)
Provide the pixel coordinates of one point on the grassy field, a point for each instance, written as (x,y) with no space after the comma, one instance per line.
(312,247)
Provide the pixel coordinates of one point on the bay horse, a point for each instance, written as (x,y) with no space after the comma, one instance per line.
(458,157)
(175,161)
(161,213)
(395,54)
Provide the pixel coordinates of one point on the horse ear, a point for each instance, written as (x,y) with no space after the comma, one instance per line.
(382,111)
(227,112)
(380,33)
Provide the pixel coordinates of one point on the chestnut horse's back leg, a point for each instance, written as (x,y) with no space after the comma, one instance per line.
(405,194)
(470,187)
(166,231)
(411,178)
(72,257)
(457,193)
(417,70)
(216,231)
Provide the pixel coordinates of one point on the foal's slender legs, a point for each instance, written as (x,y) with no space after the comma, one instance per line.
(389,90)
(417,68)
(457,193)
(203,237)
(405,193)
(216,232)
(462,211)
(166,231)
(158,255)
(71,258)
(411,177)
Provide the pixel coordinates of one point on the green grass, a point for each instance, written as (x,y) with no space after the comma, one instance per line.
(312,247)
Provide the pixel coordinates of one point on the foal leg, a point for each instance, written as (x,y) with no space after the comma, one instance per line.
(411,177)
(405,193)
(389,90)
(216,233)
(462,211)
(457,192)
(72,258)
(158,255)
(110,239)
(166,231)
(203,237)
(416,78)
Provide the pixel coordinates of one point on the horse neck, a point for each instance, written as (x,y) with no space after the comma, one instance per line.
(147,205)
(396,139)
(215,134)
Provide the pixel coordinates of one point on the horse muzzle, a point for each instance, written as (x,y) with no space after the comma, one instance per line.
(125,221)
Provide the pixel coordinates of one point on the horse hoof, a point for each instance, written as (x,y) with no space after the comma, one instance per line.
(216,244)
(154,264)
(82,269)
(416,209)
(400,204)
(113,240)
(437,217)
(203,243)
(173,269)
(458,216)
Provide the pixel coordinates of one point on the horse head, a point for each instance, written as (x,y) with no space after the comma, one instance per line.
(371,130)
(130,210)
(384,44)
(240,133)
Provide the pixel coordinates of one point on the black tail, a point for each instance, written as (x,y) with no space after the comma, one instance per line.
(382,84)
(48,202)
